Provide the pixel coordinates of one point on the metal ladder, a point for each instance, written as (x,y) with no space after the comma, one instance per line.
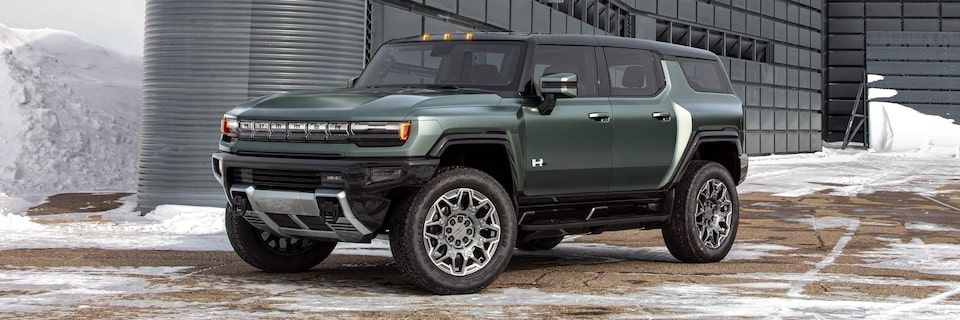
(849,134)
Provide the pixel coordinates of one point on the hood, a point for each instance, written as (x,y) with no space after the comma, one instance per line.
(356,104)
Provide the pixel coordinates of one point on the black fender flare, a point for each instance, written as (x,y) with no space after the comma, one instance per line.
(702,137)
(487,138)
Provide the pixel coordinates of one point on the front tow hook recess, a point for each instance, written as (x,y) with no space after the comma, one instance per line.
(239,205)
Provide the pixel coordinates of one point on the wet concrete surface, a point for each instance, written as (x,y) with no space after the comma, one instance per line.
(885,253)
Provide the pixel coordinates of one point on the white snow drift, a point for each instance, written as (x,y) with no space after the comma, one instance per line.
(896,128)
(70,115)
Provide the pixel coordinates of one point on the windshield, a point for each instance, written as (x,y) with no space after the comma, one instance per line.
(490,65)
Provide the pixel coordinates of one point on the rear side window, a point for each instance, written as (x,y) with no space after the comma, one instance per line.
(705,75)
(632,72)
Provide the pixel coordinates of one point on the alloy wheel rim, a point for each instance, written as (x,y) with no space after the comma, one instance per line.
(714,212)
(461,232)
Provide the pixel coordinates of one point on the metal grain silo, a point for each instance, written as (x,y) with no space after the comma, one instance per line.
(203,57)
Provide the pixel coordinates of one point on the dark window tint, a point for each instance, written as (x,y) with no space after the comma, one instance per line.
(568,59)
(705,75)
(632,72)
(488,65)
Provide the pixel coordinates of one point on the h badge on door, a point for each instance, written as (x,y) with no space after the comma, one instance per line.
(537,163)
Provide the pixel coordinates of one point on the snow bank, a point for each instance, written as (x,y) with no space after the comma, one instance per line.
(177,219)
(70,115)
(896,128)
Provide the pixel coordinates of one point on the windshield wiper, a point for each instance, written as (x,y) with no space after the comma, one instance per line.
(457,88)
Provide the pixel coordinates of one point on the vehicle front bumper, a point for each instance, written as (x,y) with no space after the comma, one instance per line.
(322,199)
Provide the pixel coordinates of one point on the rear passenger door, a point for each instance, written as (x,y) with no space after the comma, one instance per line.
(645,130)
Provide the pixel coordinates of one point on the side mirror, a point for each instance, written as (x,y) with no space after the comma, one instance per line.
(551,85)
(352,82)
(563,84)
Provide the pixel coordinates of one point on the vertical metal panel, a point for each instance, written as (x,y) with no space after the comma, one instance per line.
(520,11)
(203,57)
(498,13)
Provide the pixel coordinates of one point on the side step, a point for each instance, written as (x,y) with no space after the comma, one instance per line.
(610,223)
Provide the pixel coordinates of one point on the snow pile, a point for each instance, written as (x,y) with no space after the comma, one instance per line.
(70,115)
(896,128)
(177,219)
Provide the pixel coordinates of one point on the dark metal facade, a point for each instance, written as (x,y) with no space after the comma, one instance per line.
(771,48)
(913,44)
(772,51)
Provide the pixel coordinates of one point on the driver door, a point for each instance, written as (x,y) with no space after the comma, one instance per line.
(569,151)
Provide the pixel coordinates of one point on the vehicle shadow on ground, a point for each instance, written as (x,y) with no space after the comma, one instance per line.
(368,274)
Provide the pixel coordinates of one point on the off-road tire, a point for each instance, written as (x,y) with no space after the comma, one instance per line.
(409,241)
(254,247)
(681,233)
(539,244)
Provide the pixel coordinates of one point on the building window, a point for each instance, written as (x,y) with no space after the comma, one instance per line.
(719,42)
(602,14)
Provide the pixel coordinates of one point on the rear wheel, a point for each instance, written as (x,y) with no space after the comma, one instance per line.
(706,214)
(457,233)
(272,253)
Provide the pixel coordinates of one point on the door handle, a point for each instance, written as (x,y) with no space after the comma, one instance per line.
(599,116)
(662,116)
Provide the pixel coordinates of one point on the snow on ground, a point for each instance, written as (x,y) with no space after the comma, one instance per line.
(70,116)
(896,128)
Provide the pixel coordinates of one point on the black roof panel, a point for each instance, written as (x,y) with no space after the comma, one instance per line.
(662,48)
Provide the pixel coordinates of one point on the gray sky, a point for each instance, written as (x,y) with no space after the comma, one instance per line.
(115,24)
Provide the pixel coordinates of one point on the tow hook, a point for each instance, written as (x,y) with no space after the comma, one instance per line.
(239,205)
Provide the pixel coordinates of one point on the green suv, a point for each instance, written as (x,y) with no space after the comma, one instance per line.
(461,147)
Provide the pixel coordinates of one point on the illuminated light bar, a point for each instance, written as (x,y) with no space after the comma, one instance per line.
(425,37)
(468,36)
(261,126)
(365,133)
(338,128)
(447,36)
(297,131)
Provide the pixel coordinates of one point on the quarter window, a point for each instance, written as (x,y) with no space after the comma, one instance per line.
(705,75)
(632,72)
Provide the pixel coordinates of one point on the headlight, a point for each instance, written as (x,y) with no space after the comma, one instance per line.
(367,133)
(229,126)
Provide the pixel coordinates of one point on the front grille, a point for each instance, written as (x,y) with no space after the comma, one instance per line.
(303,181)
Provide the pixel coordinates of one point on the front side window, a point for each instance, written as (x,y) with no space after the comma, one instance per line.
(492,65)
(632,72)
(705,75)
(580,60)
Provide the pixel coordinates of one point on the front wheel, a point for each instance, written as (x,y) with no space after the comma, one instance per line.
(272,253)
(706,214)
(456,235)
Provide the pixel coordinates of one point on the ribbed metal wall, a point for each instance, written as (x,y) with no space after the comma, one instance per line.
(203,57)
(911,42)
